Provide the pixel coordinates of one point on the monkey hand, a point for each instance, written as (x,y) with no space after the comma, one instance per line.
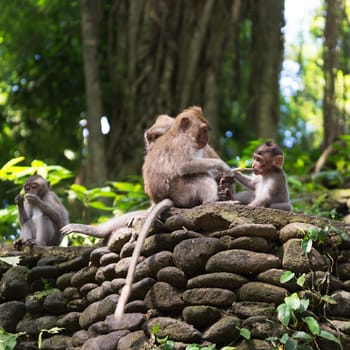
(32,198)
(227,178)
(69,228)
(18,244)
(19,200)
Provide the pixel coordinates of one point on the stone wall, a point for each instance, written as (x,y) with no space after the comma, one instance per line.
(205,273)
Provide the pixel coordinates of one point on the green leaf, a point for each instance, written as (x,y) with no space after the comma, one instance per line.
(155,329)
(312,324)
(124,186)
(11,163)
(192,347)
(306,244)
(284,314)
(169,345)
(291,344)
(322,236)
(284,338)
(162,340)
(313,234)
(328,299)
(286,276)
(304,304)
(100,205)
(78,188)
(303,335)
(329,336)
(245,333)
(293,301)
(301,280)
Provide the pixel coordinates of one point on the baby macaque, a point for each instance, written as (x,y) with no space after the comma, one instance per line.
(268,185)
(41,214)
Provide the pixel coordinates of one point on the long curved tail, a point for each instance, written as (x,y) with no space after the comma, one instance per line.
(151,217)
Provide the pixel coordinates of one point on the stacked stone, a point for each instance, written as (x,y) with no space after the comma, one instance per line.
(198,281)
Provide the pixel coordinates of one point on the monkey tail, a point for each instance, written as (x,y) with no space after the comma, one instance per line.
(150,219)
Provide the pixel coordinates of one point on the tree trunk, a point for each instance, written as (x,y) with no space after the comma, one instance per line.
(331,119)
(96,165)
(266,58)
(163,56)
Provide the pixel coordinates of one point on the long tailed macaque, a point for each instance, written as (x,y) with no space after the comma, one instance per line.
(175,167)
(268,184)
(175,173)
(151,135)
(41,214)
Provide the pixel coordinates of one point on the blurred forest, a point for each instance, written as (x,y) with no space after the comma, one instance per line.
(80,81)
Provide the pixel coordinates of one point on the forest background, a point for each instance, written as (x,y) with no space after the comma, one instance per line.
(80,81)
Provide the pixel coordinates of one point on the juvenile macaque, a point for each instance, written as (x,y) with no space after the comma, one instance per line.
(268,185)
(175,173)
(41,214)
(161,126)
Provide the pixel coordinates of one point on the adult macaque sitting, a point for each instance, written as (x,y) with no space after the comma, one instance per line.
(162,124)
(268,185)
(41,214)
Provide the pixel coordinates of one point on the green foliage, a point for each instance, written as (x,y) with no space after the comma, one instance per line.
(301,324)
(304,329)
(319,236)
(41,81)
(160,343)
(18,174)
(117,197)
(8,341)
(44,293)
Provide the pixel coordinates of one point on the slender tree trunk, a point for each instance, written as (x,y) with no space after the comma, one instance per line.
(266,59)
(331,119)
(96,163)
(163,56)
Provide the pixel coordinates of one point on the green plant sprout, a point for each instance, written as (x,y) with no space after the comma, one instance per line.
(54,330)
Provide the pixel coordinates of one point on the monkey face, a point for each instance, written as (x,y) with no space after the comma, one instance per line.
(32,188)
(202,136)
(261,163)
(36,185)
(266,162)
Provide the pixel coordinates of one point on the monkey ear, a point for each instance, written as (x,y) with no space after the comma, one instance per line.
(185,123)
(278,161)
